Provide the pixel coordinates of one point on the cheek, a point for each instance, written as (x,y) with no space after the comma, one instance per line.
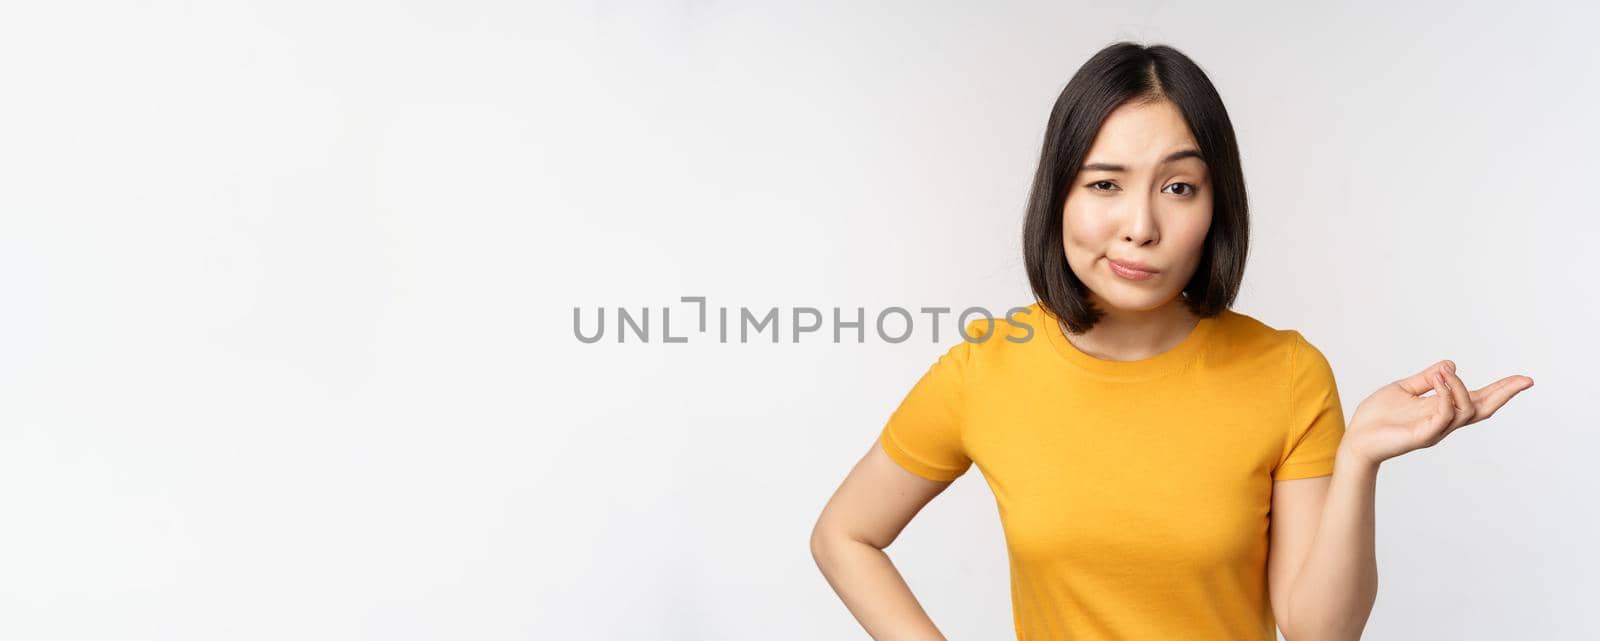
(1084,228)
(1194,233)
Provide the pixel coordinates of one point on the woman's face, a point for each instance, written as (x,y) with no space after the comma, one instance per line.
(1143,196)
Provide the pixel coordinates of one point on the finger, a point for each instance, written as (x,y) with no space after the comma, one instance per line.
(1465,411)
(1443,409)
(1419,383)
(1495,395)
(1486,391)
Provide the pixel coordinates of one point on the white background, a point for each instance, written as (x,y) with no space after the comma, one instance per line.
(287,351)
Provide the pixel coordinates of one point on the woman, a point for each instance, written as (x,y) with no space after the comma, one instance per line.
(1164,467)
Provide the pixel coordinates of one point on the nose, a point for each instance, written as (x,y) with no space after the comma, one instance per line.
(1140,224)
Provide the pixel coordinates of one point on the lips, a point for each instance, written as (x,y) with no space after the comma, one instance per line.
(1130,266)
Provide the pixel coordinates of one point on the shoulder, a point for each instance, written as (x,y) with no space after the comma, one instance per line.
(1009,330)
(999,338)
(1261,356)
(1243,337)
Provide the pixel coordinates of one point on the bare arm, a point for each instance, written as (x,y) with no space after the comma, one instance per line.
(1322,567)
(866,513)
(1330,594)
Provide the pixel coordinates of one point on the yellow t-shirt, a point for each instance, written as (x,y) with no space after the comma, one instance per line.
(1133,494)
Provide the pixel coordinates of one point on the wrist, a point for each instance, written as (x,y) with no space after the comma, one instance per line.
(1348,458)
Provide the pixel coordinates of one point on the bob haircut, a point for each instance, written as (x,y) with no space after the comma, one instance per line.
(1120,73)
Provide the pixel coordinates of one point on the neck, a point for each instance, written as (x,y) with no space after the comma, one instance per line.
(1131,335)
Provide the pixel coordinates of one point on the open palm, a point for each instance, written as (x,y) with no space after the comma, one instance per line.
(1397,418)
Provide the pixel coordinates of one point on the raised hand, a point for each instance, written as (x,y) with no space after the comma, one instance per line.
(1397,418)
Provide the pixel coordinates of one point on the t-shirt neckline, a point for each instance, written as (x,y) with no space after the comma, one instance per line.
(1143,369)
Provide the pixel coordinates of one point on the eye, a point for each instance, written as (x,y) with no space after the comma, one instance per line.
(1191,188)
(1101,182)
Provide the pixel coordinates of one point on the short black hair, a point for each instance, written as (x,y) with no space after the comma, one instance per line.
(1120,73)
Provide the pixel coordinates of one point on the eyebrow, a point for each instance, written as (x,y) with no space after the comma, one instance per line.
(1177,155)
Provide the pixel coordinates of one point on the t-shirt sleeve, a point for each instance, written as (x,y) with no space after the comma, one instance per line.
(923,435)
(1316,417)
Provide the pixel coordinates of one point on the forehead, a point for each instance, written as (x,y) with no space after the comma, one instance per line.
(1139,135)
